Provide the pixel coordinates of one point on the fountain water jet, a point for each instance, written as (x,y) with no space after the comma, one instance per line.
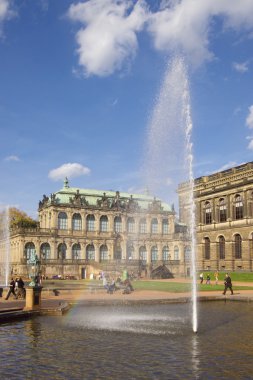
(169,157)
(4,245)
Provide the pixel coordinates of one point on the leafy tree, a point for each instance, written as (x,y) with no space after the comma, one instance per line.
(19,218)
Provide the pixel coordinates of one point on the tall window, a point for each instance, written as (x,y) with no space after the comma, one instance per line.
(117,224)
(176,253)
(62,221)
(221,247)
(130,252)
(130,225)
(207,248)
(208,213)
(29,250)
(45,251)
(222,210)
(77,222)
(61,251)
(154,226)
(76,252)
(90,223)
(90,252)
(154,254)
(165,254)
(103,252)
(187,253)
(143,253)
(165,226)
(238,207)
(143,226)
(103,223)
(238,246)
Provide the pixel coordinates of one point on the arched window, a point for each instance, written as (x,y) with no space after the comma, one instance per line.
(143,254)
(130,225)
(61,251)
(238,207)
(117,224)
(221,249)
(77,222)
(154,226)
(208,213)
(143,226)
(90,252)
(187,253)
(222,210)
(45,251)
(90,223)
(130,252)
(62,221)
(176,253)
(103,252)
(76,251)
(207,248)
(29,250)
(165,226)
(103,223)
(238,246)
(154,254)
(165,253)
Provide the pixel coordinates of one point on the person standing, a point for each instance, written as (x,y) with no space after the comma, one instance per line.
(216,276)
(228,284)
(11,290)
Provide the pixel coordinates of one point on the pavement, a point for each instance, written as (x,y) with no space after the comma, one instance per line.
(56,304)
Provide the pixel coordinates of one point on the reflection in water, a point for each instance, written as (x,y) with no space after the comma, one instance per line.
(141,342)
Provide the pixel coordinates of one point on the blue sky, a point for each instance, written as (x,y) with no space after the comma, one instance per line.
(79,82)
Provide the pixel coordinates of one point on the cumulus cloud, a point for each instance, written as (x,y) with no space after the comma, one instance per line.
(12,158)
(70,170)
(5,12)
(107,39)
(241,67)
(249,120)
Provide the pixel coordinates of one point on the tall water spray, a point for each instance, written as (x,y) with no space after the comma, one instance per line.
(4,245)
(169,157)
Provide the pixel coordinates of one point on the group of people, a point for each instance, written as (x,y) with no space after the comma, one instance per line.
(112,285)
(16,288)
(227,281)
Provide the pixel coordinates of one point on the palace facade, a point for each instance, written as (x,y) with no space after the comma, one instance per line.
(224,218)
(81,232)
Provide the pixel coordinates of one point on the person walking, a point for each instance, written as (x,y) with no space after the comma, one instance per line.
(216,276)
(201,277)
(228,284)
(208,279)
(11,290)
(21,288)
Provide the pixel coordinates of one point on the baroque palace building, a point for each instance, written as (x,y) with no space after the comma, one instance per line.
(81,232)
(224,218)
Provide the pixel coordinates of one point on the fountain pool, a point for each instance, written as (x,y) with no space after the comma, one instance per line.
(131,342)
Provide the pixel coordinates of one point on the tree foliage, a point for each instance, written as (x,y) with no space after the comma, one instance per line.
(19,218)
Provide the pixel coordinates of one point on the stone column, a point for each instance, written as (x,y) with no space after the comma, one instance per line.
(33,298)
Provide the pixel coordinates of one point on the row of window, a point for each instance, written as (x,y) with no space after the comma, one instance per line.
(104,224)
(221,247)
(237,210)
(45,252)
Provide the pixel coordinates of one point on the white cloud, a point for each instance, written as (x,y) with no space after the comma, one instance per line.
(70,170)
(5,12)
(241,67)
(250,145)
(249,120)
(186,24)
(108,41)
(12,158)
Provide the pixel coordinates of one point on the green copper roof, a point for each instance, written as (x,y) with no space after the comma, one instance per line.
(92,196)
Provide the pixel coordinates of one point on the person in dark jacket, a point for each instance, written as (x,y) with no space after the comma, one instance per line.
(228,284)
(21,288)
(11,289)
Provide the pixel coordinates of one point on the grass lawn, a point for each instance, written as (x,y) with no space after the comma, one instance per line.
(235,276)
